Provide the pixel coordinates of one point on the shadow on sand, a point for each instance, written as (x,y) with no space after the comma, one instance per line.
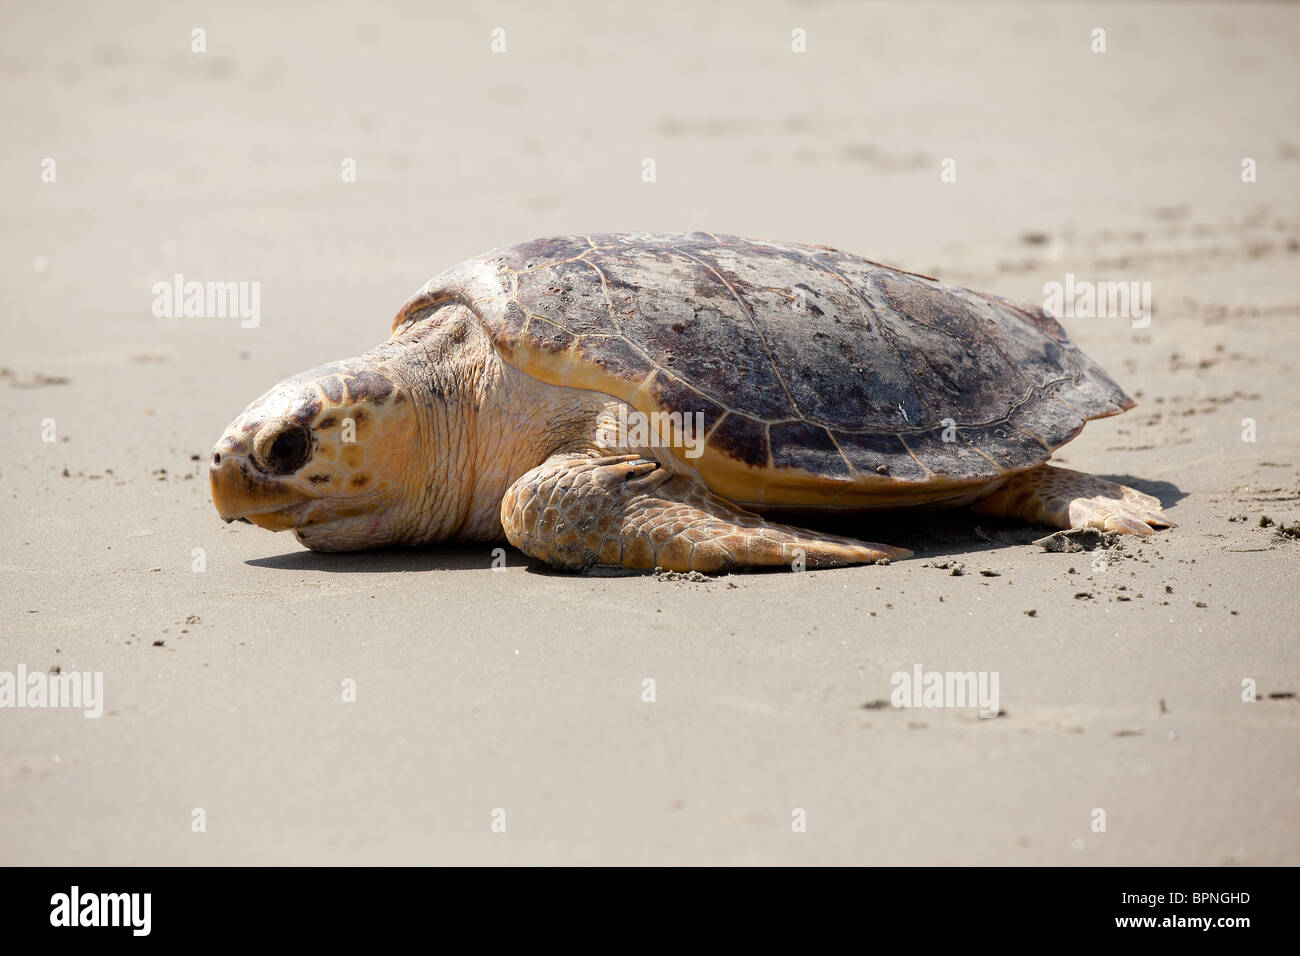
(1168,493)
(926,532)
(433,558)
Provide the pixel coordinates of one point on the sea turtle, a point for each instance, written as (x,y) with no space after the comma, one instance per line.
(645,400)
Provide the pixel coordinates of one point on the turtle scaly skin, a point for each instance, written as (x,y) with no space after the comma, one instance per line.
(773,376)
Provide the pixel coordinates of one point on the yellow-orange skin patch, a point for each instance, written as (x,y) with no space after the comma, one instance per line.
(342,478)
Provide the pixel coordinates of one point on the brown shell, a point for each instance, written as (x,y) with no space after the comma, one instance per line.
(825,379)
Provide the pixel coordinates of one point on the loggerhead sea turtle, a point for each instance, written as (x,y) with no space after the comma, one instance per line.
(644,400)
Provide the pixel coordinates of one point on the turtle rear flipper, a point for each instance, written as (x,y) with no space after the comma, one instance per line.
(576,513)
(1064,498)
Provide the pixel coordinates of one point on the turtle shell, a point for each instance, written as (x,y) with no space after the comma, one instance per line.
(825,379)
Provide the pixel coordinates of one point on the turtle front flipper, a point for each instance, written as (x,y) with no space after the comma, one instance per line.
(575,513)
(1070,499)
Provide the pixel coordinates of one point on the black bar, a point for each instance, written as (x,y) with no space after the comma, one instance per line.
(921,906)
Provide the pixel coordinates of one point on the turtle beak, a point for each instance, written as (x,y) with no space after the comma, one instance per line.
(241,493)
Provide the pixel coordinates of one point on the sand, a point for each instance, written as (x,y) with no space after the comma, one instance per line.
(1121,671)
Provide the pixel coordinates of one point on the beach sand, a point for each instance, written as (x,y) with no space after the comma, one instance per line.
(1121,672)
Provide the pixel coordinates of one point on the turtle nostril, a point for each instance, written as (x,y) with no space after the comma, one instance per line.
(216,458)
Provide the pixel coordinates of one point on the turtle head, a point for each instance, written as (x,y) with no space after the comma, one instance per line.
(329,454)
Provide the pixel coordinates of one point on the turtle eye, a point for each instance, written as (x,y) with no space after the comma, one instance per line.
(283,451)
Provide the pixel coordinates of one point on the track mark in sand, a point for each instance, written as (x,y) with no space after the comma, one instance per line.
(31,379)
